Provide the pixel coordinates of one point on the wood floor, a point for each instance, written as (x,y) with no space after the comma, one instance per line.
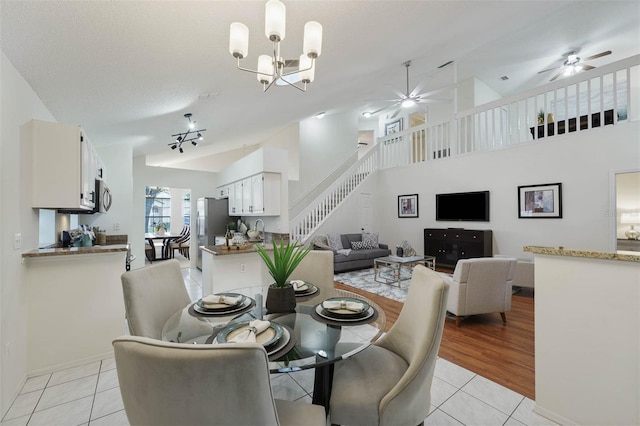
(502,353)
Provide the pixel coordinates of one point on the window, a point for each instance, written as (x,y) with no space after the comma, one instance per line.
(186,208)
(157,208)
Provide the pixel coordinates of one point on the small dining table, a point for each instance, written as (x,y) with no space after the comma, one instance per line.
(312,341)
(166,242)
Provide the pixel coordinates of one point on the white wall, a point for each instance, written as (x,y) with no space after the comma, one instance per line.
(581,162)
(324,145)
(288,139)
(19,104)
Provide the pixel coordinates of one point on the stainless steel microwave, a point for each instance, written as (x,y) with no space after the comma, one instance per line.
(103,202)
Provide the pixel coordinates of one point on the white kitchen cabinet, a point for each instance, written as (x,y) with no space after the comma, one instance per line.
(224,191)
(235,198)
(62,171)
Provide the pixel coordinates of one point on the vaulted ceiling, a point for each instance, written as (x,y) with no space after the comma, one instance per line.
(127,71)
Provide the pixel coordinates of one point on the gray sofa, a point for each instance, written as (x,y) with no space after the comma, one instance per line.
(347,259)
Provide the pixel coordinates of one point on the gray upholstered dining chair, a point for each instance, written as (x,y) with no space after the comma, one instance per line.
(151,295)
(389,383)
(165,383)
(481,285)
(316,268)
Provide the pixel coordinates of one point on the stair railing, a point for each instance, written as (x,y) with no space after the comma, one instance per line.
(314,215)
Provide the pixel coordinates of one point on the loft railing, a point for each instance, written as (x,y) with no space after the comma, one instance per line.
(599,97)
(603,96)
(309,219)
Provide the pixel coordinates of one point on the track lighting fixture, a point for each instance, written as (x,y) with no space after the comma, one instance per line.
(190,135)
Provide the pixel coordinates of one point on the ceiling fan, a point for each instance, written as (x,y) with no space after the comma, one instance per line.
(574,64)
(408,99)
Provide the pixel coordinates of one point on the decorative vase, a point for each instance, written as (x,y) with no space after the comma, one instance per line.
(160,232)
(281,299)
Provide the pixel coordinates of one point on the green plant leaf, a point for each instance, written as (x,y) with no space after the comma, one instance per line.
(285,260)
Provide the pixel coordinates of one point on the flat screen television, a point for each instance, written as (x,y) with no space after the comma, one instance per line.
(463,206)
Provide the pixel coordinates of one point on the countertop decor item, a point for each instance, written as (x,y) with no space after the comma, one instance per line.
(281,295)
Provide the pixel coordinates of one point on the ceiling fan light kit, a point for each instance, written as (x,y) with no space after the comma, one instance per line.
(190,135)
(271,68)
(574,64)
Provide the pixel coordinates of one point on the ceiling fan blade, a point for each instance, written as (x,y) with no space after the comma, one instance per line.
(395,114)
(599,55)
(433,101)
(383,108)
(558,74)
(586,67)
(549,69)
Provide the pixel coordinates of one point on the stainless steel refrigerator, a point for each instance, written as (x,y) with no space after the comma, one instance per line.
(212,217)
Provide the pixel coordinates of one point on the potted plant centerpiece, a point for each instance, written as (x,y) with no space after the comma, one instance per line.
(281,296)
(161,228)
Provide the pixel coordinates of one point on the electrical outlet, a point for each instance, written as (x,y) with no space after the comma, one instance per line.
(17,241)
(242,267)
(116,226)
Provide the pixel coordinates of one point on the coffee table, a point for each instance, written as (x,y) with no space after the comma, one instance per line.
(395,264)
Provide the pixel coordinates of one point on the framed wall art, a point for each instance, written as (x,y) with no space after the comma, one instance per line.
(393,127)
(408,205)
(540,201)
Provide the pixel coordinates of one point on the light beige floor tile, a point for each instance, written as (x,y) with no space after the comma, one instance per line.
(471,411)
(284,387)
(74,373)
(493,394)
(451,373)
(305,378)
(118,418)
(107,402)
(439,418)
(524,414)
(441,391)
(35,383)
(107,380)
(18,421)
(66,392)
(24,404)
(71,413)
(108,364)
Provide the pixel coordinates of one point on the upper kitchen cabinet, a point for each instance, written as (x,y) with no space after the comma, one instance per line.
(258,195)
(63,166)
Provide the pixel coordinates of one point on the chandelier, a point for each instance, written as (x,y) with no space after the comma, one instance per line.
(271,69)
(191,135)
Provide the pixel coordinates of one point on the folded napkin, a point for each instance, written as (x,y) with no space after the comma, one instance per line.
(298,284)
(217,299)
(343,304)
(249,335)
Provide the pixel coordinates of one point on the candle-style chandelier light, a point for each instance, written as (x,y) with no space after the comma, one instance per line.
(191,135)
(271,69)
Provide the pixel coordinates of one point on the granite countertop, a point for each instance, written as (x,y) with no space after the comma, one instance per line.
(561,251)
(223,251)
(59,251)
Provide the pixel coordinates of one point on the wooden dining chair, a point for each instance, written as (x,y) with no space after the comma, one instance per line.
(164,383)
(389,383)
(151,295)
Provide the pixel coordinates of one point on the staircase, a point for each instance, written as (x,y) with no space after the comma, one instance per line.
(600,97)
(309,219)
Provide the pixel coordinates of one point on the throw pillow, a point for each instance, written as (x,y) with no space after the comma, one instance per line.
(360,245)
(321,242)
(357,245)
(335,242)
(370,238)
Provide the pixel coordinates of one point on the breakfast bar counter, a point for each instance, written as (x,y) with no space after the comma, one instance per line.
(228,269)
(70,251)
(587,336)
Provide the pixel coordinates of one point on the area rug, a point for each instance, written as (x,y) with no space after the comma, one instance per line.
(364,280)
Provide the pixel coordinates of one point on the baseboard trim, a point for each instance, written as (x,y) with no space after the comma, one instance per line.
(71,364)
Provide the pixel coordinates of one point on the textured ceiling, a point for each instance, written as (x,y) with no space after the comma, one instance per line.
(127,71)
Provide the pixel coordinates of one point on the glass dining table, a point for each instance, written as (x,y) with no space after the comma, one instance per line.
(308,338)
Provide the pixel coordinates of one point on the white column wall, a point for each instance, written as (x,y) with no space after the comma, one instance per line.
(19,104)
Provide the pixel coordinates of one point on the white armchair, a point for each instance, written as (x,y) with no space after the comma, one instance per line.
(481,286)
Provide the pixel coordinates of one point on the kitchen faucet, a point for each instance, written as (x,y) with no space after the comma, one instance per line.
(255,226)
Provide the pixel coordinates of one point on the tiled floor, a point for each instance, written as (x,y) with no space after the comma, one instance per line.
(89,394)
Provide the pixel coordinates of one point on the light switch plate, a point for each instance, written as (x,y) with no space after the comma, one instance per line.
(17,241)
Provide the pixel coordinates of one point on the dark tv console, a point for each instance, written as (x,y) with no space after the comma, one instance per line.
(449,245)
